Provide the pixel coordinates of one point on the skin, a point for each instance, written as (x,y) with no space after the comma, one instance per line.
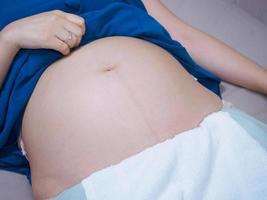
(103,104)
(224,61)
(39,31)
(141,133)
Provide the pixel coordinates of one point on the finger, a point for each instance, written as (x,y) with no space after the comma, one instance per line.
(60,46)
(72,18)
(74,28)
(77,20)
(78,41)
(63,35)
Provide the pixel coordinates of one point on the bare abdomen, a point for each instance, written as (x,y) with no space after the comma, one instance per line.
(108,100)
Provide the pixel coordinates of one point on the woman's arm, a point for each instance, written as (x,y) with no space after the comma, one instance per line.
(207,51)
(55,30)
(8,52)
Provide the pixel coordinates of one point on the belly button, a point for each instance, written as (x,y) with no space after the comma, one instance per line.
(109,68)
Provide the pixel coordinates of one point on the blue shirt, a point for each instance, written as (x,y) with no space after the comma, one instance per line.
(103,18)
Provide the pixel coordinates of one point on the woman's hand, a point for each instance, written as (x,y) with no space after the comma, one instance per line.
(55,30)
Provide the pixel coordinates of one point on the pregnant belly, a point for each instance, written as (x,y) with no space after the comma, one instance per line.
(108,100)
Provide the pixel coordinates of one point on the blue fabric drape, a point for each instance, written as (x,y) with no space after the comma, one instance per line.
(103,18)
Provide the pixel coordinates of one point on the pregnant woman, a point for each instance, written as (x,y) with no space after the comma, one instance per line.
(103,103)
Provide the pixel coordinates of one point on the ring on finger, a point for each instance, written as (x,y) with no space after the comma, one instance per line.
(69,37)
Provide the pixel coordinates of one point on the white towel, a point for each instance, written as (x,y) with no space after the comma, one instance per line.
(218,160)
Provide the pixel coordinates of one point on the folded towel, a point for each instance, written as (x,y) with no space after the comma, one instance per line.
(218,160)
